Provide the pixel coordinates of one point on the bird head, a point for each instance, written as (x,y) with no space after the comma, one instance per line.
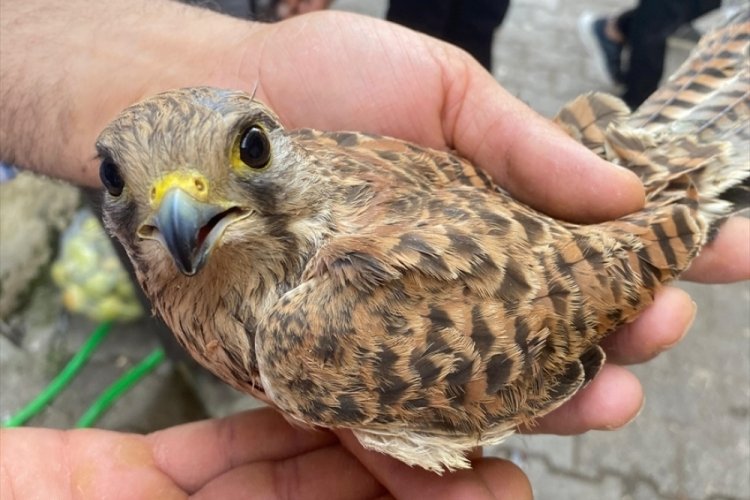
(190,171)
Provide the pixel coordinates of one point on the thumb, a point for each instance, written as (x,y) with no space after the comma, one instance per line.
(532,158)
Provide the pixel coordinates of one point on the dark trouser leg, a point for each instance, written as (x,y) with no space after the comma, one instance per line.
(651,23)
(429,17)
(473,27)
(469,24)
(623,22)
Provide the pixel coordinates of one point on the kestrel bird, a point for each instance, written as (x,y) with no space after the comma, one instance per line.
(362,282)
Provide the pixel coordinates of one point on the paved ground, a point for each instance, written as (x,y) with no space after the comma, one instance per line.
(692,440)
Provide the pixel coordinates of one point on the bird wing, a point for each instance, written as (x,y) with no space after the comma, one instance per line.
(444,328)
(388,160)
(445,308)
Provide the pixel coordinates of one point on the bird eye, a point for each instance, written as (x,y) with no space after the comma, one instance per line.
(110,175)
(255,150)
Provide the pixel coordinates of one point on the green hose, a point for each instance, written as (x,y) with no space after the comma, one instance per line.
(62,380)
(119,387)
(106,399)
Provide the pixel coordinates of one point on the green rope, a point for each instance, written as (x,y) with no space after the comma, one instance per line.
(119,387)
(62,380)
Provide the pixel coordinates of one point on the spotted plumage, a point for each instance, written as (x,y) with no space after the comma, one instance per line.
(362,282)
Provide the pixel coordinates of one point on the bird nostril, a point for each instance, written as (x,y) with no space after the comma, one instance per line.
(153,193)
(199,184)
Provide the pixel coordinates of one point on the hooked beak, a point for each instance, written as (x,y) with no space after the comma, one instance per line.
(188,228)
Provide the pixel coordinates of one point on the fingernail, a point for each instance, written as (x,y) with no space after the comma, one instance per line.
(625,424)
(638,413)
(640,410)
(687,328)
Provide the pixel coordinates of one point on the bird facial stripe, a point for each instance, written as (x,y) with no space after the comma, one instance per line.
(193,183)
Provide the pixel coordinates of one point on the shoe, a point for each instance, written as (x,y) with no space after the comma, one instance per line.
(606,53)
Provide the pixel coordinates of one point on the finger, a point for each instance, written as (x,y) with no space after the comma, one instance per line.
(495,473)
(727,258)
(193,454)
(403,481)
(533,158)
(610,401)
(25,452)
(92,463)
(659,327)
(330,472)
(475,453)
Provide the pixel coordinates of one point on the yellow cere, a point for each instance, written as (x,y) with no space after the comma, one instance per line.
(192,182)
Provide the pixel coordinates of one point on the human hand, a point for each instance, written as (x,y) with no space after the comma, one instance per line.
(333,70)
(253,454)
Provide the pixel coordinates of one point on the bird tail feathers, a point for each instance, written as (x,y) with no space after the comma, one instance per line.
(693,131)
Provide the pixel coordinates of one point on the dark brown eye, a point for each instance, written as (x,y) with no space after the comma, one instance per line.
(110,175)
(255,150)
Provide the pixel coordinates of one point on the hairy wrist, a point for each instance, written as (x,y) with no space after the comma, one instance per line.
(69,68)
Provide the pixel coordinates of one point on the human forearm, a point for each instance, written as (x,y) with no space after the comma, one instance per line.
(68,68)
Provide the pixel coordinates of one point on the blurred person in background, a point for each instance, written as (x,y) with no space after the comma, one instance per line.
(469,24)
(642,30)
